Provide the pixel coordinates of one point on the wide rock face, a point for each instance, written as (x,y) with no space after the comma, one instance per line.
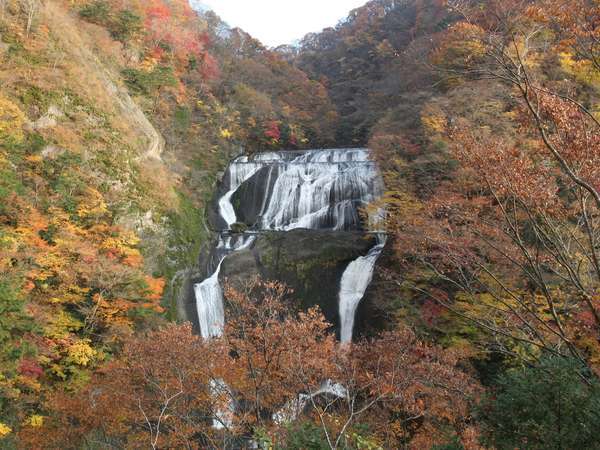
(310,262)
(294,217)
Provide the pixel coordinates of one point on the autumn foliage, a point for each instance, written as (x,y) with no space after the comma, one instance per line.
(168,389)
(504,240)
(483,118)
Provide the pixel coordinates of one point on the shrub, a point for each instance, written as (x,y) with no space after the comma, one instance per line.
(306,436)
(97,12)
(239,227)
(126,25)
(548,406)
(182,119)
(122,26)
(12,120)
(454,444)
(9,184)
(148,83)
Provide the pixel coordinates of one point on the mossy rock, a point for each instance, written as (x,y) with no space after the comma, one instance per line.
(310,262)
(239,228)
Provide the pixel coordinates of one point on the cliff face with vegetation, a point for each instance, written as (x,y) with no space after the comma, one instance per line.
(115,118)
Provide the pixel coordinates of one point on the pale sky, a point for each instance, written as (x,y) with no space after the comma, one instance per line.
(276,22)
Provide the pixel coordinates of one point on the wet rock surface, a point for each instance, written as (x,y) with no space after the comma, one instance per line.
(310,262)
(292,217)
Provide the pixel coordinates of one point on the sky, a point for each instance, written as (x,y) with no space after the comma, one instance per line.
(277,22)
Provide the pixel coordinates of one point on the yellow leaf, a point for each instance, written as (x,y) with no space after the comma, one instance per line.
(225,133)
(34,159)
(12,120)
(36,421)
(81,353)
(4,430)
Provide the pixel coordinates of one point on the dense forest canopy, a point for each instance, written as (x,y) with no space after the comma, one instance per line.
(116,119)
(374,60)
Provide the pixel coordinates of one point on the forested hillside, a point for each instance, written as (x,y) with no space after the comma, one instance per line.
(484,118)
(115,117)
(376,61)
(117,120)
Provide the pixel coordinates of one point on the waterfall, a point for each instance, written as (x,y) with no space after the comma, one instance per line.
(225,412)
(237,174)
(319,195)
(313,189)
(209,295)
(211,316)
(282,191)
(294,408)
(355,280)
(209,303)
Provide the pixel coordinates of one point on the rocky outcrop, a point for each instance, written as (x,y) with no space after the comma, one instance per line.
(309,262)
(249,199)
(48,120)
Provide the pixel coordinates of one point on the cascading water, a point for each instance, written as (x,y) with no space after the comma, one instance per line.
(238,173)
(314,190)
(211,315)
(295,407)
(209,295)
(355,280)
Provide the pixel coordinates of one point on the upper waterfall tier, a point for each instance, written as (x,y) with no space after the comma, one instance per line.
(313,189)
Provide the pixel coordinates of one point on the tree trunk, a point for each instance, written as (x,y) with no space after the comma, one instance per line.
(32,6)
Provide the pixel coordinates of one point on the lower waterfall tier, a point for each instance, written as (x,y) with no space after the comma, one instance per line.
(355,281)
(310,262)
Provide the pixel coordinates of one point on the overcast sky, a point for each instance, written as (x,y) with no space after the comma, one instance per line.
(276,22)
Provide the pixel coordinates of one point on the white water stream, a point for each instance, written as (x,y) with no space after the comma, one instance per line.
(209,295)
(355,281)
(313,189)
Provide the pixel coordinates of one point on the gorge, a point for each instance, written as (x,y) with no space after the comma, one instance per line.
(313,196)
(384,236)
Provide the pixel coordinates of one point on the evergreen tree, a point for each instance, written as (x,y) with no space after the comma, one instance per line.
(551,406)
